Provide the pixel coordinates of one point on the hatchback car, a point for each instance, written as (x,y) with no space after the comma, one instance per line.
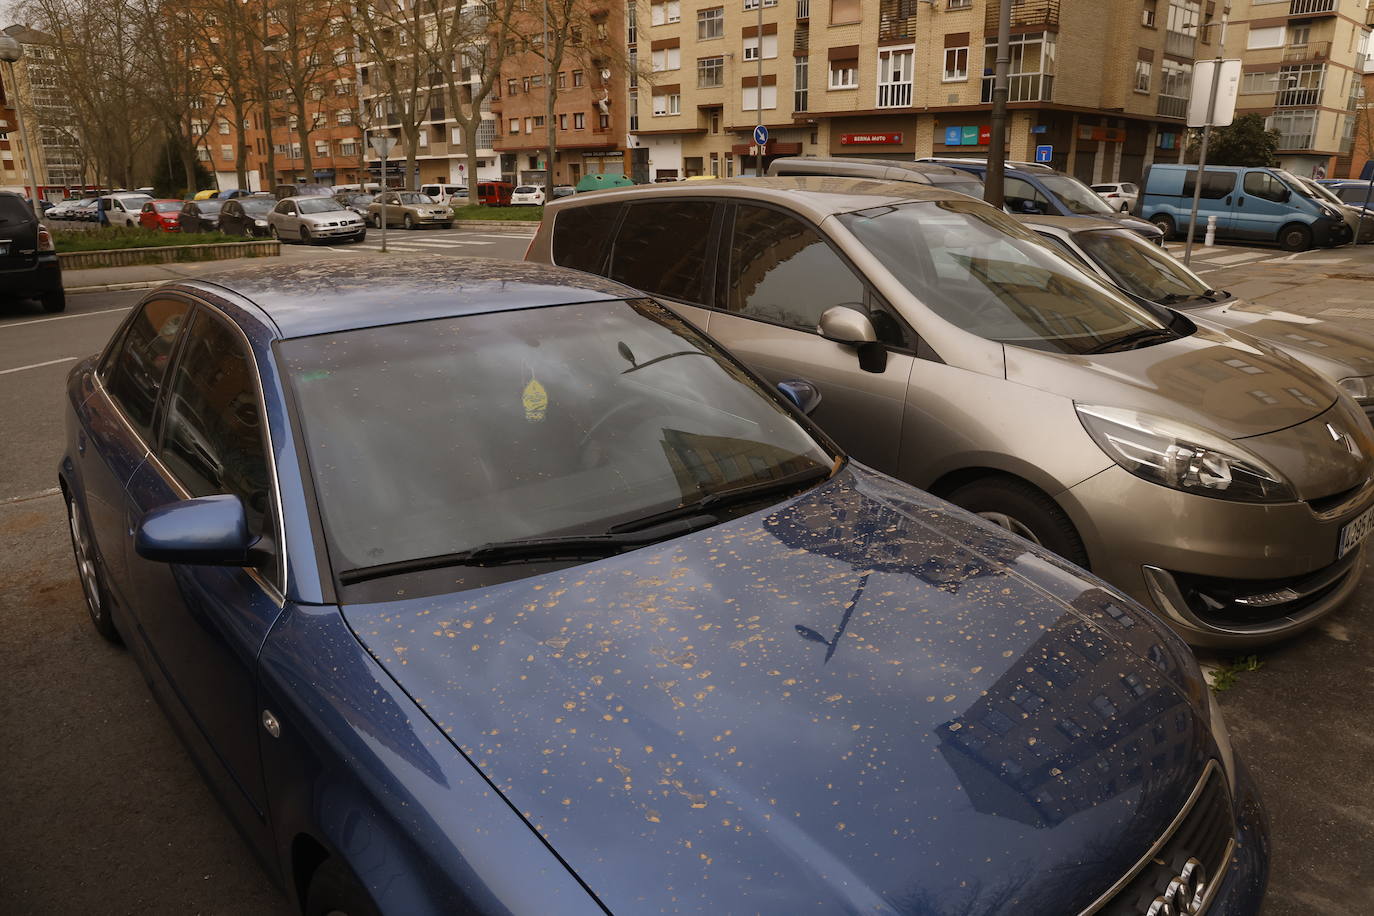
(247,216)
(120,209)
(1120,194)
(161,215)
(410,210)
(29,268)
(1207,475)
(200,215)
(459,615)
(1344,355)
(527,195)
(314,219)
(882,169)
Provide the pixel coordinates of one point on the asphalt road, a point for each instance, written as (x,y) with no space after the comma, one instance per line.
(104,812)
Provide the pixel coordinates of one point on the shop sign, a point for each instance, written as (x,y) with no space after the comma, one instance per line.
(968,135)
(866,139)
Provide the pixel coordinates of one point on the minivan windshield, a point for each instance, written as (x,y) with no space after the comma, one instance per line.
(1138,267)
(978,269)
(1076,196)
(435,437)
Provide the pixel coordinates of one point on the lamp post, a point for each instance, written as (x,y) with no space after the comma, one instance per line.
(1206,136)
(381,145)
(994,183)
(10,52)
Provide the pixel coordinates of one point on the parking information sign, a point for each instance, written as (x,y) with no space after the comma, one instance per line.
(1044,153)
(761,135)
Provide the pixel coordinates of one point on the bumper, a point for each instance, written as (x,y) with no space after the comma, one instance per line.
(336,232)
(1329,233)
(1217,571)
(1242,888)
(33,281)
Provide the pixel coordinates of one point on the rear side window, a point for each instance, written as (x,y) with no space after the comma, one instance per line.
(1355,195)
(1215,185)
(1265,186)
(13,211)
(662,248)
(580,234)
(135,370)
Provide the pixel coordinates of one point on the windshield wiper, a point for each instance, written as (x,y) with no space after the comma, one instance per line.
(720,499)
(1134,340)
(521,550)
(1171,298)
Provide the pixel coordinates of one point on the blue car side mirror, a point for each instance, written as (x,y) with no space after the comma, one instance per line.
(207,531)
(802,393)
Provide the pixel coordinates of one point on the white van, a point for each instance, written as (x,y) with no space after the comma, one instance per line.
(122,209)
(443,193)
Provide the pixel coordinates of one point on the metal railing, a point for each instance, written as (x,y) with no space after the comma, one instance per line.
(1172,107)
(894,95)
(1308,7)
(1312,50)
(1180,44)
(896,19)
(1027,13)
(803,9)
(1298,98)
(1024,87)
(1295,141)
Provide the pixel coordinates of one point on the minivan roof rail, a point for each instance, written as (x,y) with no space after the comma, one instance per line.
(1013,163)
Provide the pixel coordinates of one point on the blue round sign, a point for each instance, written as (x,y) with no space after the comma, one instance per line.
(760,135)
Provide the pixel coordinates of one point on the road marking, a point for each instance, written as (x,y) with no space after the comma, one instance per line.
(1241,258)
(51,362)
(15,324)
(390,247)
(1325,260)
(505,235)
(41,494)
(445,243)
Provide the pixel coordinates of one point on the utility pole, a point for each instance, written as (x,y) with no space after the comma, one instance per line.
(10,52)
(548,108)
(1206,137)
(993,185)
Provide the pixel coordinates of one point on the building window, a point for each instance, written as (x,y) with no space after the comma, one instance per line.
(529,125)
(710,72)
(1031,73)
(537,81)
(563,122)
(423,138)
(321,147)
(525,83)
(770,47)
(514,126)
(1255,83)
(664,13)
(844,11)
(667,59)
(754,4)
(715,120)
(715,165)
(894,77)
(223,126)
(603,121)
(202,154)
(1143,69)
(577,78)
(749,99)
(579,121)
(956,65)
(710,23)
(538,121)
(562,79)
(634,111)
(844,74)
(669,104)
(800,76)
(226,153)
(1175,80)
(631,24)
(343,116)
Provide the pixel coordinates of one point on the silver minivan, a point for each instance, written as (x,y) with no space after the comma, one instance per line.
(1203,472)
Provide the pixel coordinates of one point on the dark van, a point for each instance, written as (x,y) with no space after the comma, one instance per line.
(29,268)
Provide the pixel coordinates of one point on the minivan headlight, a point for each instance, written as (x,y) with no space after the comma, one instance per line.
(1183,456)
(1361,388)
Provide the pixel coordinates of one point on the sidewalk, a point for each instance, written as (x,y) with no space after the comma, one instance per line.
(1331,283)
(146,276)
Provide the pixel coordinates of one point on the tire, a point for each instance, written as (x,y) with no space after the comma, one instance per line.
(360,237)
(334,891)
(1015,505)
(448,225)
(54,301)
(409,223)
(1295,237)
(272,231)
(88,571)
(305,236)
(1165,222)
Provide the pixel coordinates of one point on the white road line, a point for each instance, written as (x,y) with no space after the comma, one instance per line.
(506,235)
(15,324)
(51,362)
(445,243)
(389,247)
(1325,260)
(52,491)
(1241,258)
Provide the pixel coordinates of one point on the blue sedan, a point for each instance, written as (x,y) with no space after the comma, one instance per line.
(491,587)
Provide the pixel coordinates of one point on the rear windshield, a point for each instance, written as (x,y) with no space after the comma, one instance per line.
(255,205)
(526,189)
(14,211)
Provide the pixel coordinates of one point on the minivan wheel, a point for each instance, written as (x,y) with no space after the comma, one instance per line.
(1295,237)
(1023,510)
(88,571)
(335,892)
(54,301)
(1165,223)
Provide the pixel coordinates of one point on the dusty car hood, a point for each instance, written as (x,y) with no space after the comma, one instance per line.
(1334,350)
(1237,386)
(857,700)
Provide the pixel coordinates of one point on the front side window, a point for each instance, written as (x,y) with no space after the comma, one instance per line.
(579,237)
(1023,197)
(212,439)
(980,270)
(1265,186)
(1141,268)
(134,372)
(1215,185)
(1076,196)
(662,248)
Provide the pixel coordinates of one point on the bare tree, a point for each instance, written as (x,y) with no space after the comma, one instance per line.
(222,34)
(305,47)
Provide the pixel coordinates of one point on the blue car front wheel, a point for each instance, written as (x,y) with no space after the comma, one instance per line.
(88,571)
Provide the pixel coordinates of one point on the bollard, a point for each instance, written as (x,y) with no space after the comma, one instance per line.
(1211,231)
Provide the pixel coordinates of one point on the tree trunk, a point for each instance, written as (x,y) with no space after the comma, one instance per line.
(303,134)
(470,148)
(241,136)
(188,166)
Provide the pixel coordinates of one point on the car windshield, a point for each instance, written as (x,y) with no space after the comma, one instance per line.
(209,207)
(255,206)
(433,437)
(978,269)
(319,205)
(361,200)
(1320,192)
(971,188)
(1075,195)
(1356,195)
(166,206)
(1293,181)
(526,189)
(1138,267)
(414,197)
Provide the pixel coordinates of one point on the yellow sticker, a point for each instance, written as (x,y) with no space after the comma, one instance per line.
(536,401)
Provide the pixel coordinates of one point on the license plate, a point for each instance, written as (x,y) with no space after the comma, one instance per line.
(4,249)
(1354,533)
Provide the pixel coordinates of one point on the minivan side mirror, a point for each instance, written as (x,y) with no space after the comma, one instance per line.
(802,393)
(206,531)
(847,325)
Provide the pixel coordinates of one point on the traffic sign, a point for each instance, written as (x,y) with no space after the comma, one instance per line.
(1044,153)
(761,135)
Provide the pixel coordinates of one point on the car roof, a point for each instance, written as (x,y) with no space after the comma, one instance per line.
(814,196)
(330,296)
(906,165)
(1071,224)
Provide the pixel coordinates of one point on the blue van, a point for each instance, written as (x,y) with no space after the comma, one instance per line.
(1253,204)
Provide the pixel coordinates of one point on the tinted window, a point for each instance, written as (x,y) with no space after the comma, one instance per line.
(662,248)
(1075,195)
(1023,197)
(1265,186)
(136,368)
(579,237)
(1355,195)
(1215,185)
(1140,267)
(212,437)
(14,211)
(782,271)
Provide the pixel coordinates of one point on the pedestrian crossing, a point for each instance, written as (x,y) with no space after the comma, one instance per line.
(433,243)
(1222,257)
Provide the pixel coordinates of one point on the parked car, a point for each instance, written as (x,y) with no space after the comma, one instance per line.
(1119,194)
(882,169)
(1343,355)
(161,215)
(1209,476)
(356,201)
(121,209)
(444,193)
(314,219)
(494,193)
(29,268)
(87,210)
(1251,204)
(207,194)
(247,216)
(283,191)
(65,210)
(410,209)
(605,595)
(1361,229)
(1038,189)
(201,215)
(563,190)
(1351,191)
(527,195)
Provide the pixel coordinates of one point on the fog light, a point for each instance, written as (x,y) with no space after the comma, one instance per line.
(1268,599)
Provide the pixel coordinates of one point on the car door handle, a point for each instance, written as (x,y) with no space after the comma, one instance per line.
(1240,202)
(1228,201)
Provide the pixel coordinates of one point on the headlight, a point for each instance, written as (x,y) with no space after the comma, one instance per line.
(1183,457)
(1361,388)
(259,222)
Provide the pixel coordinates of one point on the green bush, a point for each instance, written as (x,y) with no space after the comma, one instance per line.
(132,237)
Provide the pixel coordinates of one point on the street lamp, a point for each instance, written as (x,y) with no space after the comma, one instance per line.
(10,52)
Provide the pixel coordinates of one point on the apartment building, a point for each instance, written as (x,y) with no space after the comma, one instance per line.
(1304,63)
(590,86)
(37,97)
(12,166)
(1105,85)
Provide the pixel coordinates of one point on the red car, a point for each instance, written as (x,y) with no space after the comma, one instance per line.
(161,214)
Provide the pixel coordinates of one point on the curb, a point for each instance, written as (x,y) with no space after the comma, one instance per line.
(116,287)
(512,226)
(167,254)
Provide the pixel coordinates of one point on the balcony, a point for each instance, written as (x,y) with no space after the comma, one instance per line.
(1313,50)
(896,20)
(894,95)
(803,9)
(1298,141)
(1298,98)
(1180,44)
(1026,16)
(1311,7)
(1023,87)
(1172,107)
